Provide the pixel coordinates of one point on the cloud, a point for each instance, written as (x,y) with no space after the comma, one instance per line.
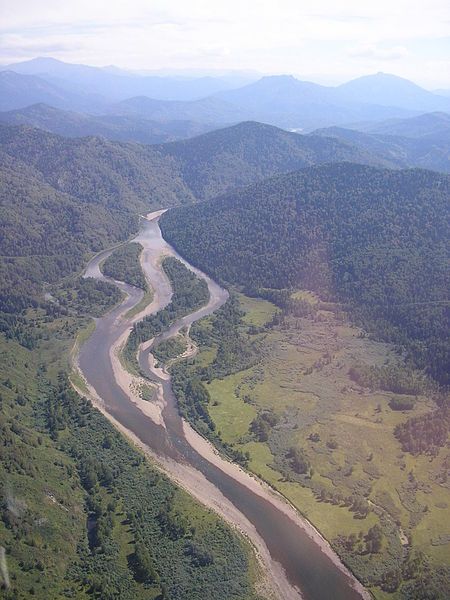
(378,53)
(305,37)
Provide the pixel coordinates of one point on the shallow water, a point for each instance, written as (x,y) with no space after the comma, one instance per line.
(304,562)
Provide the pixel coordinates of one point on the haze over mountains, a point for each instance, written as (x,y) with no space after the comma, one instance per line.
(115,127)
(116,84)
(278,100)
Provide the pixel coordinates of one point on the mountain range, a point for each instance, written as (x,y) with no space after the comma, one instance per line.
(127,128)
(278,100)
(117,84)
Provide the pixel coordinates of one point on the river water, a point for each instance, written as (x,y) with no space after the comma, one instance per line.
(305,564)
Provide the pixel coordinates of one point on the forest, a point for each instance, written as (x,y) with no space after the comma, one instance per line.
(81,513)
(371,239)
(80,503)
(124,265)
(189,293)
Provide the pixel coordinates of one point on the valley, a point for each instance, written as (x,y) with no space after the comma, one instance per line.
(217,483)
(356,475)
(224,321)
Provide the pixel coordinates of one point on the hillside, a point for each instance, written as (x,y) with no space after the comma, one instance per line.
(75,197)
(18,91)
(389,90)
(235,156)
(428,151)
(135,176)
(435,124)
(123,176)
(114,127)
(49,238)
(371,238)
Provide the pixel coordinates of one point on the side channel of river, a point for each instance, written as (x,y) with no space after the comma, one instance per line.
(300,564)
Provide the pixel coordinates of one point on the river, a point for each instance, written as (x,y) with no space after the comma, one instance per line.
(300,562)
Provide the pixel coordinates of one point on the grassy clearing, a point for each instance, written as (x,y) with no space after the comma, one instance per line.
(257,311)
(345,431)
(306,295)
(231,415)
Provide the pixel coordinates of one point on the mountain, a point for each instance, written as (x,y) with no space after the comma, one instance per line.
(436,125)
(374,239)
(219,160)
(50,235)
(128,177)
(75,184)
(18,91)
(280,100)
(442,92)
(206,110)
(115,127)
(118,84)
(389,90)
(430,151)
(99,170)
(288,102)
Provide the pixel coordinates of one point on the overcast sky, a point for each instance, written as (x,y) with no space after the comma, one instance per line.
(328,41)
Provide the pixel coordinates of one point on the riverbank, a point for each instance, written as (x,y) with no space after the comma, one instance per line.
(188,477)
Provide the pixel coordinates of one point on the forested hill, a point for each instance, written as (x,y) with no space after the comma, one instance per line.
(78,195)
(369,237)
(45,234)
(136,176)
(235,156)
(125,128)
(61,199)
(128,176)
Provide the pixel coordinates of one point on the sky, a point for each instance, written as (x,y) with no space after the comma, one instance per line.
(328,41)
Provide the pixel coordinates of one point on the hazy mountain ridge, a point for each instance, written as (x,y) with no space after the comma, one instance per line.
(425,125)
(279,100)
(430,151)
(124,128)
(119,84)
(19,91)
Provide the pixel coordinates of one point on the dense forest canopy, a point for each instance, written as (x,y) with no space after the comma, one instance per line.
(77,196)
(235,156)
(371,238)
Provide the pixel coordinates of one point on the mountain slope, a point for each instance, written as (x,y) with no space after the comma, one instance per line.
(239,155)
(131,176)
(117,84)
(373,238)
(18,91)
(67,189)
(45,234)
(389,90)
(123,176)
(436,124)
(429,151)
(115,127)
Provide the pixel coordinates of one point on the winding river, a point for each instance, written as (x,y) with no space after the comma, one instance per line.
(299,563)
